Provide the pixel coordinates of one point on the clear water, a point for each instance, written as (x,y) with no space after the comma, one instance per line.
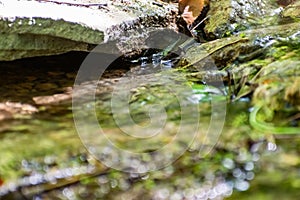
(42,156)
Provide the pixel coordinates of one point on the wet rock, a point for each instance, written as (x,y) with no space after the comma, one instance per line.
(216,53)
(239,48)
(231,16)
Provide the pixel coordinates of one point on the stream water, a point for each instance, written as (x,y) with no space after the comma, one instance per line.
(44,156)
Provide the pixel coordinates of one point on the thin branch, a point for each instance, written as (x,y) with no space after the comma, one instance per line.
(100,5)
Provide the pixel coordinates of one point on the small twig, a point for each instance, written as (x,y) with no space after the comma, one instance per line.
(200,23)
(230,90)
(100,5)
(192,31)
(31,190)
(157,4)
(295,117)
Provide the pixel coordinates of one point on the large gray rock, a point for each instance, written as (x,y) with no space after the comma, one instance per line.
(35,28)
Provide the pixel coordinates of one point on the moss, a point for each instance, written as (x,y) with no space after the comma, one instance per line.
(228,17)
